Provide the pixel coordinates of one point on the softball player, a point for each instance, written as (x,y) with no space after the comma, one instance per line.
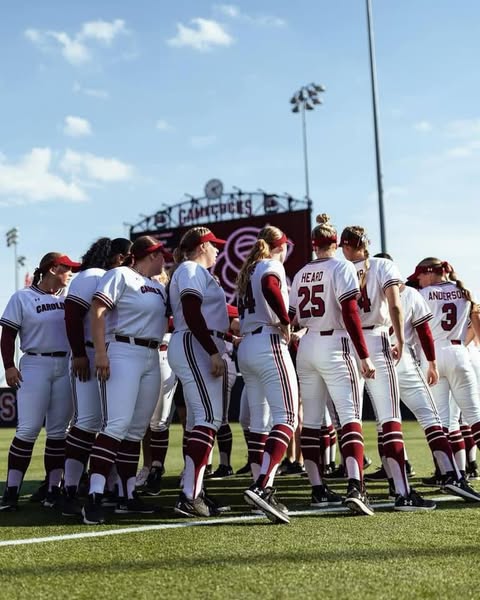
(195,354)
(102,255)
(452,307)
(324,299)
(266,364)
(128,322)
(380,306)
(36,314)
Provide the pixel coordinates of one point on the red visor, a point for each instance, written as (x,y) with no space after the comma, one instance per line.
(280,241)
(210,237)
(438,269)
(321,241)
(160,246)
(67,262)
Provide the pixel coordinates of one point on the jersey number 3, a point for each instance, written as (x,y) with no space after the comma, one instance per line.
(450,320)
(246,302)
(311,297)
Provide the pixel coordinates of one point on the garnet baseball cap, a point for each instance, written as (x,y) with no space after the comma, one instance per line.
(210,237)
(153,248)
(67,262)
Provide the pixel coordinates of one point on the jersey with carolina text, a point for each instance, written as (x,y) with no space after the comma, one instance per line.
(450,309)
(381,274)
(253,308)
(317,291)
(39,318)
(191,278)
(137,304)
(81,291)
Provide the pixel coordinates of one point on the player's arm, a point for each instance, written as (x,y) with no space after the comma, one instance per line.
(392,293)
(98,312)
(7,346)
(271,289)
(192,313)
(353,325)
(74,317)
(426,341)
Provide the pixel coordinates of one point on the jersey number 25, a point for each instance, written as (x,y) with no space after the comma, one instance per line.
(311,304)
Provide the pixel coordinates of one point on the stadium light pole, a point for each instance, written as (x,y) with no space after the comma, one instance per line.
(12,240)
(373,77)
(306,98)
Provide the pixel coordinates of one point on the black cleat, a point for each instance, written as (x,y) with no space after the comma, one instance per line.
(53,498)
(434,481)
(357,501)
(336,473)
(221,472)
(462,489)
(293,468)
(413,502)
(9,502)
(92,512)
(264,499)
(322,497)
(472,471)
(245,470)
(71,506)
(378,475)
(40,493)
(134,506)
(367,461)
(409,469)
(216,508)
(153,485)
(192,508)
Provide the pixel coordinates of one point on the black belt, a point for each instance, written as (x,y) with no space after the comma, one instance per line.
(370,327)
(89,344)
(257,330)
(138,341)
(456,342)
(329,332)
(60,353)
(218,334)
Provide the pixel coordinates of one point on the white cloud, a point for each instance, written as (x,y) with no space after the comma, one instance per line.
(94,93)
(202,141)
(95,167)
(463,128)
(76,127)
(31,180)
(75,49)
(162,125)
(233,12)
(203,35)
(103,31)
(423,126)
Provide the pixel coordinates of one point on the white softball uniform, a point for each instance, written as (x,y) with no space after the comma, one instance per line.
(374,314)
(414,390)
(456,417)
(162,415)
(86,396)
(204,393)
(451,313)
(263,356)
(134,330)
(325,364)
(45,393)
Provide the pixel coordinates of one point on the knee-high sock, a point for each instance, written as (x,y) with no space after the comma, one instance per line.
(159,446)
(200,442)
(277,442)
(78,446)
(19,457)
(394,452)
(256,447)
(441,450)
(353,450)
(102,458)
(458,448)
(224,440)
(128,456)
(311,450)
(470,445)
(324,448)
(54,461)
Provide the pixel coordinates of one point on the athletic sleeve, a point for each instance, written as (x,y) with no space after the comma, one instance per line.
(346,281)
(111,287)
(271,288)
(388,274)
(426,340)
(13,313)
(192,313)
(421,312)
(353,325)
(191,280)
(74,315)
(7,344)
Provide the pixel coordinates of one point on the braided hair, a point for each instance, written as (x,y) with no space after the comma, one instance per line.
(355,237)
(102,252)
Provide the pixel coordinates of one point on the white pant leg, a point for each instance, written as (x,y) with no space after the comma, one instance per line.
(455,415)
(60,409)
(244,414)
(86,399)
(203,392)
(161,418)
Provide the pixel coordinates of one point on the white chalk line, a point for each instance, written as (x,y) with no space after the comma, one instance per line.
(183,524)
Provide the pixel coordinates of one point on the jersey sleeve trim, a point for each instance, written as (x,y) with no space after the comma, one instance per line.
(9,324)
(421,320)
(78,300)
(391,282)
(190,292)
(350,294)
(104,300)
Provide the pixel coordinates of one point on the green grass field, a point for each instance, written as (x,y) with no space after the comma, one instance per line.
(331,555)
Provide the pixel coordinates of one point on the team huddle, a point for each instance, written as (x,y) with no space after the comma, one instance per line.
(104,355)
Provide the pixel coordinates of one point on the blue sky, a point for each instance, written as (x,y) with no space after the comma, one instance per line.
(111,109)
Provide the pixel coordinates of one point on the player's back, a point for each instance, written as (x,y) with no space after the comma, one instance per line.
(450,309)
